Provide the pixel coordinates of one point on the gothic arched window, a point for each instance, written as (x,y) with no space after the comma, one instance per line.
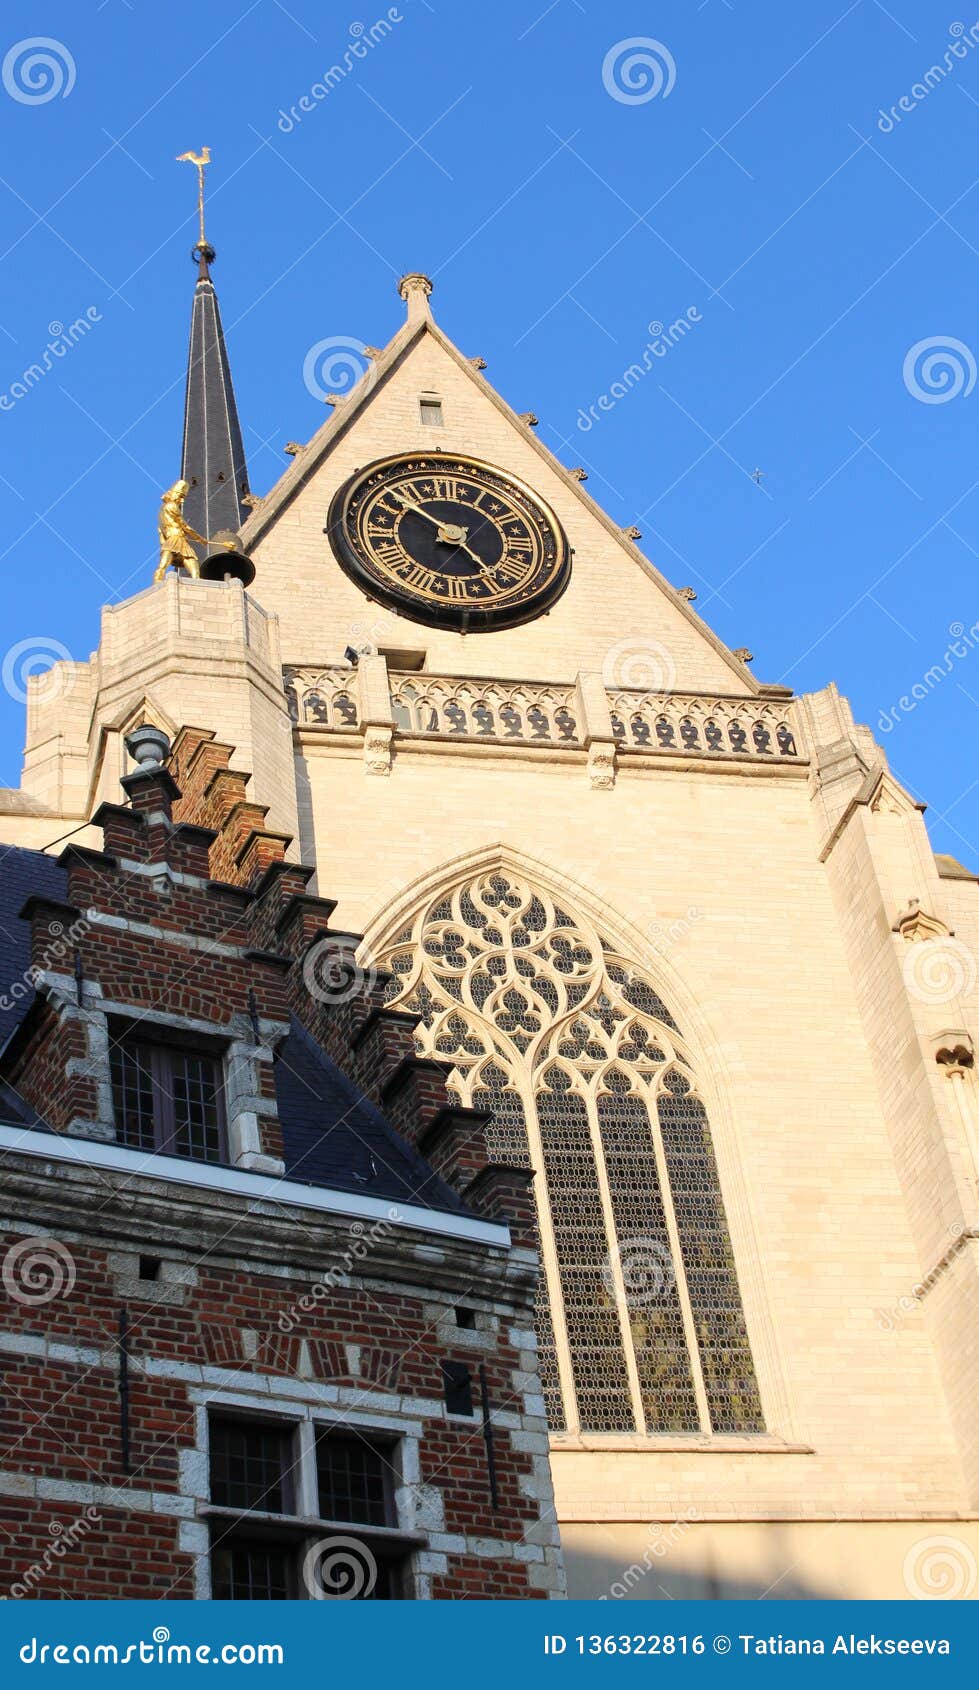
(590,1082)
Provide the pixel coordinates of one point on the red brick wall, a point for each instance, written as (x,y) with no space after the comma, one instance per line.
(62,1417)
(38,1070)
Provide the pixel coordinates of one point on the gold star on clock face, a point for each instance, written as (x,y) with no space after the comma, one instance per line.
(449,540)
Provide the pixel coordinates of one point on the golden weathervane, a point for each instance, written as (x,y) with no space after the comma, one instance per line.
(200,161)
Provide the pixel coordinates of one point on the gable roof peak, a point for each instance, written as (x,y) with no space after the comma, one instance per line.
(416,289)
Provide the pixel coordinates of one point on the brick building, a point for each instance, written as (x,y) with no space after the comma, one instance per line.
(261,1339)
(675,936)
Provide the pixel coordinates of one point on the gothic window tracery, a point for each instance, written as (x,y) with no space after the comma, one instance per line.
(590,1083)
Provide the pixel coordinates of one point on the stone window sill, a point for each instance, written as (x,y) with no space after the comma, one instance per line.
(384,1540)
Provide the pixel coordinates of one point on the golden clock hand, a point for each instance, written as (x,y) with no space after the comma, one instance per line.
(452,533)
(411,505)
(447,539)
(475,556)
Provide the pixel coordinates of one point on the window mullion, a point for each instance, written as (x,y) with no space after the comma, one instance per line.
(305,1474)
(683,1294)
(614,1264)
(161,1079)
(548,1254)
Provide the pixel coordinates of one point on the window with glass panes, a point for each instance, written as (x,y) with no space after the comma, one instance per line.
(547,1024)
(251,1466)
(168,1098)
(243,1570)
(266,1548)
(354,1479)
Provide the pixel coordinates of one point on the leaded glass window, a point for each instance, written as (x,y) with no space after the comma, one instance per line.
(264,1546)
(168,1099)
(590,1082)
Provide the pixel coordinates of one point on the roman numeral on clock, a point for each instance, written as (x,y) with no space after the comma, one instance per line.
(510,570)
(456,586)
(415,575)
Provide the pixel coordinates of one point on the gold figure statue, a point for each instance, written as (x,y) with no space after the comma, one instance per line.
(200,160)
(176,534)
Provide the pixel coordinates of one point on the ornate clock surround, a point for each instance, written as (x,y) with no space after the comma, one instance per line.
(450,540)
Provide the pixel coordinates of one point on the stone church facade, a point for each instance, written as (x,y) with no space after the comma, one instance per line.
(677,935)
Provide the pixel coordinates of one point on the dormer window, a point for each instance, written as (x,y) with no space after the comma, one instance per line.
(168,1098)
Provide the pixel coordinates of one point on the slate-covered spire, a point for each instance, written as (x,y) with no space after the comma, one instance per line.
(213,454)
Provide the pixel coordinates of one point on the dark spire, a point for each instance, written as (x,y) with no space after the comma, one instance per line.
(213,454)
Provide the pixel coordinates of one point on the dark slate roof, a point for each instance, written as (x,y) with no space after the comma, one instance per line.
(22,873)
(14,1112)
(334,1136)
(213,453)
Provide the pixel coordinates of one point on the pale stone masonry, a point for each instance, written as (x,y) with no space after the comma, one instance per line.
(786,906)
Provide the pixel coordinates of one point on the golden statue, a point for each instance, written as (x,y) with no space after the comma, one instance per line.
(199,160)
(176,534)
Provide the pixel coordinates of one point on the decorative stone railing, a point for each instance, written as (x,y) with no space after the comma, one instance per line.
(683,723)
(322,697)
(597,723)
(436,704)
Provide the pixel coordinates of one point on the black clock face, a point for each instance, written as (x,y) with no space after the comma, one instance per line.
(449,540)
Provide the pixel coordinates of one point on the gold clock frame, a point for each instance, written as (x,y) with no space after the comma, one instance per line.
(374,579)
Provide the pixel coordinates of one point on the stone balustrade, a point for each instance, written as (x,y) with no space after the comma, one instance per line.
(387,706)
(717,727)
(326,698)
(436,704)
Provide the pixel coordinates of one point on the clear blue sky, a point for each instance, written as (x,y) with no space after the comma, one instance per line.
(813,242)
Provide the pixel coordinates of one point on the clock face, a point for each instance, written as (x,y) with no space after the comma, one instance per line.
(449,540)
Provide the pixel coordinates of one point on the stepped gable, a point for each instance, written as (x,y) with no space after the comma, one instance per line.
(193,912)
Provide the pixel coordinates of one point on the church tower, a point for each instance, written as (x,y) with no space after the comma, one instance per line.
(676,934)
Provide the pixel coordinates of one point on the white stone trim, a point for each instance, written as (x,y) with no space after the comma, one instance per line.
(156,871)
(306,1399)
(173,1170)
(164,935)
(134,1499)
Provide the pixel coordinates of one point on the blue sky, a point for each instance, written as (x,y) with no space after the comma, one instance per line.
(759,174)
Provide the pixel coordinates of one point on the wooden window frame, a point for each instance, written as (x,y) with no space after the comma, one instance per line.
(158,1055)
